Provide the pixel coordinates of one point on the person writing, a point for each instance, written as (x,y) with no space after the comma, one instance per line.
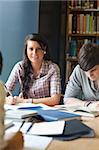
(16,141)
(83,86)
(39,77)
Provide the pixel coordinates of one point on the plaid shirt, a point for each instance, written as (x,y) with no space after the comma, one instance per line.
(45,85)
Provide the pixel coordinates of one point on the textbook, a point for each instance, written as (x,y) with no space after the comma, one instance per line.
(54,115)
(19,114)
(83,111)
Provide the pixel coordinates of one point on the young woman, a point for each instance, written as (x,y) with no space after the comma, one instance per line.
(83,86)
(39,78)
(16,142)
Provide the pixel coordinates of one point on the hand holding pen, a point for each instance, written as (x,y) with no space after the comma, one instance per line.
(10,100)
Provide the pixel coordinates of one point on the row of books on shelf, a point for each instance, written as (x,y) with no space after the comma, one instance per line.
(83,23)
(83,4)
(75,45)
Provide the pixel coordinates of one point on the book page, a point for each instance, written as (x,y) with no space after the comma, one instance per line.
(48,128)
(32,142)
(83,111)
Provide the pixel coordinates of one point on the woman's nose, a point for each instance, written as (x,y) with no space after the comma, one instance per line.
(34,51)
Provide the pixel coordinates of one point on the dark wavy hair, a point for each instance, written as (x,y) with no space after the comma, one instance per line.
(88,56)
(27,67)
(1,62)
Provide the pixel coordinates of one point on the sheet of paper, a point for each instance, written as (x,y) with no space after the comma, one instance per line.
(47,128)
(14,128)
(32,142)
(8,123)
(25,127)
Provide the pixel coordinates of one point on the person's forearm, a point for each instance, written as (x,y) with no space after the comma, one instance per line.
(51,101)
(74,101)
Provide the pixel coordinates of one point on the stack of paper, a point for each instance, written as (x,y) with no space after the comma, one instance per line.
(19,114)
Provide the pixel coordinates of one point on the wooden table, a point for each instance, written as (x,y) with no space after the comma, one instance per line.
(81,143)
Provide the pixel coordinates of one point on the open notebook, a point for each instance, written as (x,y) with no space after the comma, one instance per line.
(83,111)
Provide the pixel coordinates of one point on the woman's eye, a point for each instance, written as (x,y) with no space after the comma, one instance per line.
(31,48)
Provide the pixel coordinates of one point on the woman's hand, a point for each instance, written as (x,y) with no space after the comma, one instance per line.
(18,99)
(10,100)
(15,100)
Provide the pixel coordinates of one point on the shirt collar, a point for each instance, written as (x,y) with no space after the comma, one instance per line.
(43,69)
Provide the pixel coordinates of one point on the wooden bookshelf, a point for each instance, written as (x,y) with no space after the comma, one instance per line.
(82,26)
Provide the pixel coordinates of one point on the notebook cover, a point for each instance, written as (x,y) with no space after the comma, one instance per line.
(54,115)
(74,129)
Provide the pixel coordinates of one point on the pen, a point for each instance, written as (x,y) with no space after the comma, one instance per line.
(22,124)
(30,126)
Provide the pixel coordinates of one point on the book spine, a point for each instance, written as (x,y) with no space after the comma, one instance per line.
(97,4)
(70,23)
(74,23)
(97,24)
(78,23)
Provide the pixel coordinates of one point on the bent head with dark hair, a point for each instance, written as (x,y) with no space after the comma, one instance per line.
(88,56)
(27,63)
(1,62)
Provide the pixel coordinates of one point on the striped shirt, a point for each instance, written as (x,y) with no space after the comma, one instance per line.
(46,84)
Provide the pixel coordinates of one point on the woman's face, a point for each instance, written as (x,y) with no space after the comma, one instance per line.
(93,73)
(35,52)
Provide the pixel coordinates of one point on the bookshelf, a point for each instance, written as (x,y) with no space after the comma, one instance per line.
(82,26)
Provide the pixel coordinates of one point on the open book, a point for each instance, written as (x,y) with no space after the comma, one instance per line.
(83,111)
